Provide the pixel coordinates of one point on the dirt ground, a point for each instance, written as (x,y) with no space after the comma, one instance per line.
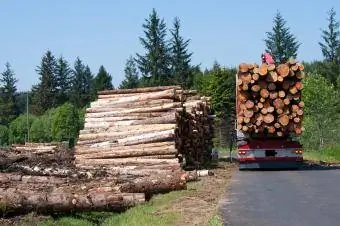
(200,204)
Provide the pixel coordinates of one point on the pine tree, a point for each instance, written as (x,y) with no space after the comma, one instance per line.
(81,84)
(180,58)
(330,46)
(63,78)
(8,90)
(131,75)
(45,93)
(102,81)
(280,42)
(155,64)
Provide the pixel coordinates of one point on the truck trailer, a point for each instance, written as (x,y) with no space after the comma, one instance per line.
(269,111)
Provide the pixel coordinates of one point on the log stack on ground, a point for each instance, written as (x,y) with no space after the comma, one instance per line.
(46,182)
(269,98)
(151,128)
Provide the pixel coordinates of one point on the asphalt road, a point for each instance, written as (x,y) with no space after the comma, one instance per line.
(280,198)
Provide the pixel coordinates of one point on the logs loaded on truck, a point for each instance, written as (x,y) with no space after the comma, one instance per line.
(269,112)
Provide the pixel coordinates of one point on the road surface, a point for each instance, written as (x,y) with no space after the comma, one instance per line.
(280,198)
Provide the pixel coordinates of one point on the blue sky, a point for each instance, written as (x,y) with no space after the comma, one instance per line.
(106,32)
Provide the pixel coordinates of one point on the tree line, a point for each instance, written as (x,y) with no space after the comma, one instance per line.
(57,103)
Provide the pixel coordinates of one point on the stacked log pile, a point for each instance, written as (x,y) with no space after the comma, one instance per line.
(23,188)
(149,129)
(269,98)
(194,133)
(131,147)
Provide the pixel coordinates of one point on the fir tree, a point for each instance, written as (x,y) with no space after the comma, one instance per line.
(180,58)
(45,93)
(155,64)
(81,84)
(63,77)
(102,81)
(330,46)
(280,42)
(8,89)
(131,75)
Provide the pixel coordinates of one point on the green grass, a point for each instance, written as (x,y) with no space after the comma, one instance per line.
(331,154)
(147,214)
(215,221)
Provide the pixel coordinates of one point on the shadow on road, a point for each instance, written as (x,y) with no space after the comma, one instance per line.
(306,166)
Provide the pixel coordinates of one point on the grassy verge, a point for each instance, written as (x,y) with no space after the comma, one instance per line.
(331,155)
(197,205)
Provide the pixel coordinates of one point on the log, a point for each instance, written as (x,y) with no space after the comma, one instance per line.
(249,104)
(293,90)
(283,70)
(299,85)
(108,103)
(264,93)
(263,84)
(115,147)
(255,77)
(283,120)
(286,85)
(268,118)
(156,108)
(248,113)
(300,74)
(154,185)
(280,78)
(286,101)
(271,129)
(245,77)
(135,139)
(271,86)
(270,109)
(113,121)
(167,150)
(14,200)
(243,67)
(273,95)
(123,131)
(296,119)
(166,94)
(301,104)
(246,120)
(271,77)
(255,88)
(120,114)
(282,94)
(263,69)
(126,161)
(148,138)
(301,66)
(278,103)
(271,67)
(29,179)
(137,90)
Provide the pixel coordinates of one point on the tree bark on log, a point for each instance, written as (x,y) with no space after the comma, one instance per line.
(126,161)
(122,131)
(130,153)
(23,201)
(137,90)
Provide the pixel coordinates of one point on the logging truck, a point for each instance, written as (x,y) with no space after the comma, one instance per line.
(269,114)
